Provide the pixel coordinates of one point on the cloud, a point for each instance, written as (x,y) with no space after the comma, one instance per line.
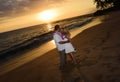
(33,6)
(15,5)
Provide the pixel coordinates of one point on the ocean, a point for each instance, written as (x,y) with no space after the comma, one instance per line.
(29,37)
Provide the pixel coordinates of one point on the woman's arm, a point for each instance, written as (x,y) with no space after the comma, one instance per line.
(68,36)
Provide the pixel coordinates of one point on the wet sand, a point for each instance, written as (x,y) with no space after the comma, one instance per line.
(98,50)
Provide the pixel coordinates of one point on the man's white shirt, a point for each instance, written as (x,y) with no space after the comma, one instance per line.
(57,38)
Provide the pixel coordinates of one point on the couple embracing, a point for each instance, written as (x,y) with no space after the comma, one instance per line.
(62,40)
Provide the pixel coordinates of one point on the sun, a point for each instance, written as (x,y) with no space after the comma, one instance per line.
(47,15)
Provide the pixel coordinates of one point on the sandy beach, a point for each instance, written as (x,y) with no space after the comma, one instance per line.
(98,50)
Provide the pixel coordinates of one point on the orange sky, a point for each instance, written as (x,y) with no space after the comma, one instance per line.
(76,7)
(70,8)
(64,9)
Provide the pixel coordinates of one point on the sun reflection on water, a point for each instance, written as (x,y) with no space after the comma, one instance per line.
(49,26)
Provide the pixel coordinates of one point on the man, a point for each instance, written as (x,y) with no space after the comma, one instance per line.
(59,41)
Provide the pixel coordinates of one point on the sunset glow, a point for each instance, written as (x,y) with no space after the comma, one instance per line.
(47,15)
(42,11)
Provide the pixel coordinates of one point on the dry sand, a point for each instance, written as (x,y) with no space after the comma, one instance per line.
(98,50)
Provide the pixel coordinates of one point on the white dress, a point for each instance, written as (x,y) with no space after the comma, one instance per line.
(68,47)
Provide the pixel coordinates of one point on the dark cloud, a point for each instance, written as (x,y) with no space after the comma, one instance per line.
(12,5)
(23,6)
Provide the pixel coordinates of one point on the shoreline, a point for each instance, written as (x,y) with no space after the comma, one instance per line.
(35,40)
(97,49)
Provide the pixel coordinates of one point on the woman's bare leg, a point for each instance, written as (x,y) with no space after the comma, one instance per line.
(73,58)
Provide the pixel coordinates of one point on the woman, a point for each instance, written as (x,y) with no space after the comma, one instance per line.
(69,49)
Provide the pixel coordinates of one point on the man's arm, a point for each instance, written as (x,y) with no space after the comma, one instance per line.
(57,38)
(63,42)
